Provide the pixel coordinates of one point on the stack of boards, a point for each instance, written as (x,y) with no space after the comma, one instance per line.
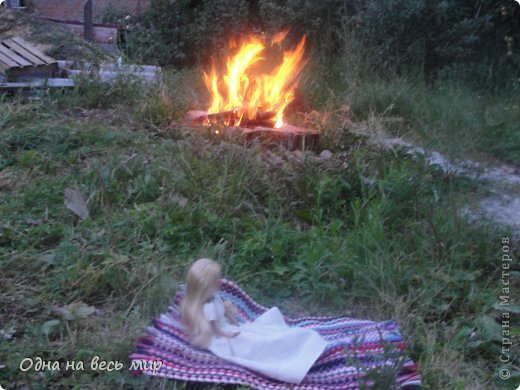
(25,66)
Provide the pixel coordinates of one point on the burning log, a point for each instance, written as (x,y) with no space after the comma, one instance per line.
(265,115)
(257,123)
(195,118)
(230,118)
(250,94)
(288,136)
(262,119)
(202,117)
(252,104)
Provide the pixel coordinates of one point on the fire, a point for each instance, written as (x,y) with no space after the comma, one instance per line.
(244,94)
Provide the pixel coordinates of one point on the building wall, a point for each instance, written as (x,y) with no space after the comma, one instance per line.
(73,9)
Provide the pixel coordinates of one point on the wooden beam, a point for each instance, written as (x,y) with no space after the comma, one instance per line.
(88,26)
(149,69)
(230,117)
(38,84)
(38,71)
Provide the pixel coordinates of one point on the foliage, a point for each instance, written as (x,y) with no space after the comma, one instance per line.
(444,115)
(474,41)
(182,32)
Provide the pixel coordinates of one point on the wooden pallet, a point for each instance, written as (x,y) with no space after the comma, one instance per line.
(19,58)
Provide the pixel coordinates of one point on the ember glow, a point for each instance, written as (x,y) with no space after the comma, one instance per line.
(243,94)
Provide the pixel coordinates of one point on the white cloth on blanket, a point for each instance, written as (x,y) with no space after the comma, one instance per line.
(267,345)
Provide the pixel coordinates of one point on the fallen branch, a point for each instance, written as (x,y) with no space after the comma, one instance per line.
(231,118)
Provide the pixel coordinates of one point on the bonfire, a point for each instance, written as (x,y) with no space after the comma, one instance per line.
(250,89)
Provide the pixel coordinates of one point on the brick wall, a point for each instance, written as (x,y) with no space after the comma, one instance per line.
(73,9)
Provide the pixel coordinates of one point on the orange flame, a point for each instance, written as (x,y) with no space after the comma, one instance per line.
(247,94)
(279,37)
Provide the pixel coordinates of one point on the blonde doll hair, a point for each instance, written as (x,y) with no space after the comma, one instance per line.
(201,279)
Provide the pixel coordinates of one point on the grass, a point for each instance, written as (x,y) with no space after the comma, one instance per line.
(454,118)
(312,236)
(445,116)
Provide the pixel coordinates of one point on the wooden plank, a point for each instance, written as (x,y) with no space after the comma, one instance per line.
(7,60)
(149,69)
(33,50)
(3,65)
(23,52)
(13,56)
(53,83)
(111,76)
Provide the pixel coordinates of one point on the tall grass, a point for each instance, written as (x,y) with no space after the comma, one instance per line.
(460,119)
(313,236)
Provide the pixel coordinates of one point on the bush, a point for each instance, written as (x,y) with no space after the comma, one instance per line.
(180,33)
(463,39)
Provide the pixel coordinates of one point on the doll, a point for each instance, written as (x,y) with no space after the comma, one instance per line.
(267,345)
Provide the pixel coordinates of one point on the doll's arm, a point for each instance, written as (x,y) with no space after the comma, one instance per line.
(230,312)
(220,332)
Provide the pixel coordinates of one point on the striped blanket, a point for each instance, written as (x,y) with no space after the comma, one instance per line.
(357,351)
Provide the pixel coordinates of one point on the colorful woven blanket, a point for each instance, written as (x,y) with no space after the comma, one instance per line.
(357,349)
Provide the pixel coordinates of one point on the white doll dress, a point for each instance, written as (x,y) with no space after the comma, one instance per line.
(267,345)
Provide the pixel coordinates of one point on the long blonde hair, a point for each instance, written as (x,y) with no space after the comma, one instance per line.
(202,276)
